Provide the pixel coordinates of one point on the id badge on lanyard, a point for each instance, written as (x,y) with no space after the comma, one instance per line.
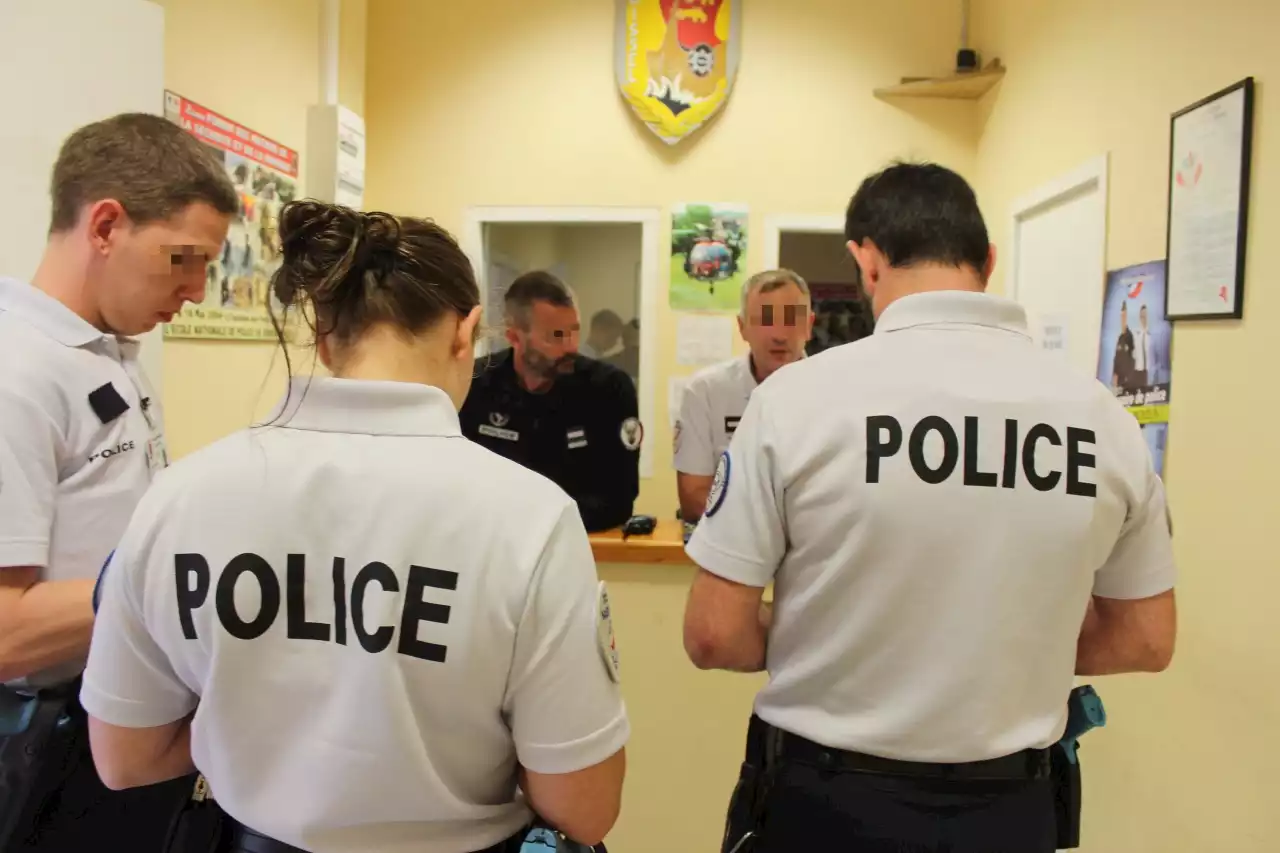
(157,452)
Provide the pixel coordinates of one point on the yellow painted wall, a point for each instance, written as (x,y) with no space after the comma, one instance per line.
(1186,764)
(516,103)
(257,62)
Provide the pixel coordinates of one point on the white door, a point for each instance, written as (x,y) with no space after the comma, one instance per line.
(1059,261)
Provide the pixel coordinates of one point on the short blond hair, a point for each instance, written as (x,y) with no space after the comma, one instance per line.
(769,281)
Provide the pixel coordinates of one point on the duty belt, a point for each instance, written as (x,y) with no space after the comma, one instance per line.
(767,745)
(28,723)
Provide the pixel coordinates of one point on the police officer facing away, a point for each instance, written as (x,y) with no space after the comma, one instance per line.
(139,207)
(956,523)
(776,321)
(363,629)
(572,419)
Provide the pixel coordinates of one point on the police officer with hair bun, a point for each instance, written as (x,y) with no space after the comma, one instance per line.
(956,522)
(365,631)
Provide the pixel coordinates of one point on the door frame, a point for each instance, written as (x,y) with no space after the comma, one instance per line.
(1091,173)
(776,225)
(648,218)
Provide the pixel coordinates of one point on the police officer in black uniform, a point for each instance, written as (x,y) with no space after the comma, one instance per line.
(571,418)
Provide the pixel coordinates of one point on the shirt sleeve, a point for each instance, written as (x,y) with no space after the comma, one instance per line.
(742,534)
(1141,562)
(29,446)
(129,680)
(565,709)
(694,440)
(612,478)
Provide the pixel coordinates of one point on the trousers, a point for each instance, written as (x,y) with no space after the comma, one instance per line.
(801,804)
(69,809)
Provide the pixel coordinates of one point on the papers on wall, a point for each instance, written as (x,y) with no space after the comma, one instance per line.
(349,189)
(1208,203)
(1054,332)
(703,339)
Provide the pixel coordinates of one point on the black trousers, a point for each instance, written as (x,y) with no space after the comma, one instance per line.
(70,810)
(812,808)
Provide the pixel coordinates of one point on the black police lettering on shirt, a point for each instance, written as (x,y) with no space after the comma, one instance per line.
(885,435)
(194,579)
(108,452)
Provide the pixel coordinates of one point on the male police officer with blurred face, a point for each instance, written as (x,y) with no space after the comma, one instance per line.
(572,419)
(139,208)
(956,523)
(776,321)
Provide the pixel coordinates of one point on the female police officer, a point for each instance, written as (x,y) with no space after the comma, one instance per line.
(363,629)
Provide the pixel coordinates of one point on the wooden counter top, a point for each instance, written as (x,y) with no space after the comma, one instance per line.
(664,546)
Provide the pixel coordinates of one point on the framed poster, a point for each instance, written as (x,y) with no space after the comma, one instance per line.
(1210,148)
(238,282)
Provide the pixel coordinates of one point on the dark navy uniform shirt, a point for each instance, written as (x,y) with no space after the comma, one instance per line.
(584,433)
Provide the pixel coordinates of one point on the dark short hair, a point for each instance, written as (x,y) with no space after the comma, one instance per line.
(537,286)
(150,165)
(606,319)
(919,213)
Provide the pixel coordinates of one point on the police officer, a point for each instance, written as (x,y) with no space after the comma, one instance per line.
(939,505)
(776,321)
(139,207)
(363,629)
(570,418)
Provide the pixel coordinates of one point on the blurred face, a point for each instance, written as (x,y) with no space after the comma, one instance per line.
(143,274)
(1142,316)
(776,328)
(1124,315)
(546,349)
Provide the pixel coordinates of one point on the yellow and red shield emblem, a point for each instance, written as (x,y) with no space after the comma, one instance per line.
(676,60)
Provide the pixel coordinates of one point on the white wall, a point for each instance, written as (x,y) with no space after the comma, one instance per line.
(66,63)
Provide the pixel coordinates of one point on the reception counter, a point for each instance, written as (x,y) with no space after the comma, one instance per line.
(687,726)
(664,546)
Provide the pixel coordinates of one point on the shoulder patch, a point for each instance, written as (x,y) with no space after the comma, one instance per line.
(719,485)
(632,433)
(675,436)
(604,634)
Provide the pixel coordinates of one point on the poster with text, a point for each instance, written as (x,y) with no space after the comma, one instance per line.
(708,249)
(1134,354)
(237,283)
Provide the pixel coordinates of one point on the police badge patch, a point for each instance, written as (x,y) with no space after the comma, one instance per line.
(604,634)
(632,433)
(719,486)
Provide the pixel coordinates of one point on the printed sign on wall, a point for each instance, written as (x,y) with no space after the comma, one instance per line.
(676,60)
(265,175)
(1134,354)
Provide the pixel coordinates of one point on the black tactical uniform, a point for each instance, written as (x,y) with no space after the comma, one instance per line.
(584,433)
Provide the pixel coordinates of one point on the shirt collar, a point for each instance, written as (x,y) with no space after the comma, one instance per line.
(954,308)
(46,314)
(363,407)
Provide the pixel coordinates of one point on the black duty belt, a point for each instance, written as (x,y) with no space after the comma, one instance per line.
(764,740)
(245,840)
(28,730)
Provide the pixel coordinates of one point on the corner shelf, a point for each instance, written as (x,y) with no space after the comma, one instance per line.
(969,86)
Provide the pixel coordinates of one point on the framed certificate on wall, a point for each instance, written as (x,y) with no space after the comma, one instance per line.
(1210,148)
